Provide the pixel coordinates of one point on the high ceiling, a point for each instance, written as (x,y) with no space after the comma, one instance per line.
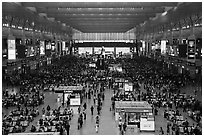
(92,17)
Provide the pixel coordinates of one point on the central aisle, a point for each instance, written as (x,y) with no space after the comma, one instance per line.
(107,125)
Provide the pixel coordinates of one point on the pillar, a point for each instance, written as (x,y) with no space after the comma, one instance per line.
(114,51)
(93,50)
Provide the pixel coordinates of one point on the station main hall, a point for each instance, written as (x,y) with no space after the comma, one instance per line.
(101,68)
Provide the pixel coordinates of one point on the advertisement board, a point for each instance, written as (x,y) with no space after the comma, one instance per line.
(123,50)
(49,61)
(75,101)
(42,48)
(11,49)
(147,125)
(128,87)
(53,46)
(63,46)
(163,47)
(30,51)
(92,65)
(85,50)
(191,50)
(48,45)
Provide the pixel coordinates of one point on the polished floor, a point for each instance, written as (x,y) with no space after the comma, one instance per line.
(108,125)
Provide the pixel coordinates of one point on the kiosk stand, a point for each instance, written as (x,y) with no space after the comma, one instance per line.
(137,114)
(74,93)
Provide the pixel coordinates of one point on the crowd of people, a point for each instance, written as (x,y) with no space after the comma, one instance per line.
(55,120)
(95,92)
(18,120)
(161,83)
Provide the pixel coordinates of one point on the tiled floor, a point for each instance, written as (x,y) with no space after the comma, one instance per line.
(108,125)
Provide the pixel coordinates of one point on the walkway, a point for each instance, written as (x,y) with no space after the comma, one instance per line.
(107,124)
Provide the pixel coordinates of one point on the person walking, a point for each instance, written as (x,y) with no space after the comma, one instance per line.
(161,132)
(94,100)
(98,109)
(84,114)
(84,106)
(124,127)
(97,123)
(67,127)
(79,110)
(92,109)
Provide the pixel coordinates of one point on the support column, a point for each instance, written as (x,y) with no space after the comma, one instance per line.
(114,51)
(93,50)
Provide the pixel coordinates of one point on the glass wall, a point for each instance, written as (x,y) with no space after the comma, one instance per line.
(104,36)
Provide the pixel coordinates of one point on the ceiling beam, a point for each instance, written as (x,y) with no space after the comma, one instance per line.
(98,4)
(99,15)
(104,24)
(100,19)
(101,10)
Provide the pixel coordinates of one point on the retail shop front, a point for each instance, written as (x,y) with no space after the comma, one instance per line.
(135,114)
